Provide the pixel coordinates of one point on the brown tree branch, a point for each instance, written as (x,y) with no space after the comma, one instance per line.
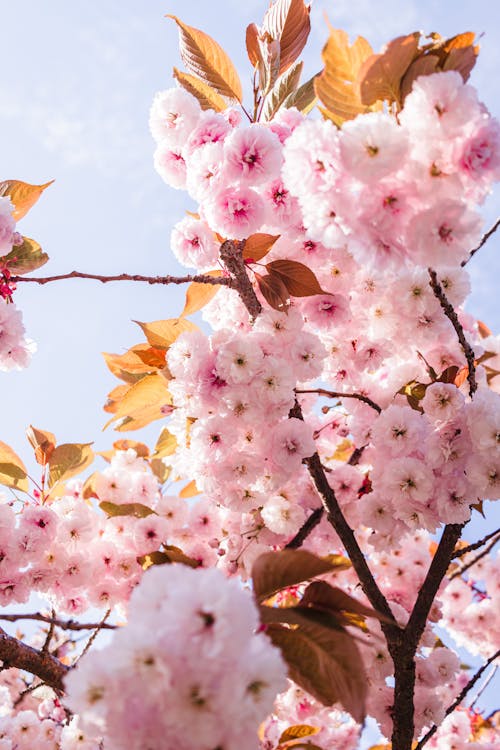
(199,278)
(231,253)
(458,700)
(484,239)
(475,545)
(336,394)
(309,524)
(476,559)
(450,313)
(64,624)
(15,653)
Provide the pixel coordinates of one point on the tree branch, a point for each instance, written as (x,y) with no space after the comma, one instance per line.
(15,653)
(428,590)
(231,253)
(199,278)
(336,394)
(450,313)
(475,545)
(458,700)
(484,239)
(476,559)
(306,528)
(64,624)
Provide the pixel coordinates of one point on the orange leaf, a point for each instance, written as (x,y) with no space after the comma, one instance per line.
(380,75)
(258,245)
(141,449)
(483,329)
(22,194)
(199,294)
(204,57)
(288,22)
(162,333)
(43,443)
(252,45)
(190,490)
(335,86)
(208,97)
(422,66)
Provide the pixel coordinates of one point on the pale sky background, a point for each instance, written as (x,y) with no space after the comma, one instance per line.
(77,81)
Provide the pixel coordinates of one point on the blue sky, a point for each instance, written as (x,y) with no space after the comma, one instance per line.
(77,82)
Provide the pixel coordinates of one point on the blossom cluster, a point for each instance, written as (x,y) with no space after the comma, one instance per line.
(180,620)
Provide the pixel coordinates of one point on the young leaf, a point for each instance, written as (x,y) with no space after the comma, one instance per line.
(88,489)
(335,86)
(274,571)
(320,595)
(142,403)
(163,333)
(422,66)
(131,366)
(160,469)
(258,245)
(25,258)
(165,445)
(204,57)
(252,45)
(288,22)
(283,87)
(304,98)
(274,291)
(208,97)
(22,195)
(42,442)
(297,731)
(12,470)
(325,663)
(137,510)
(190,490)
(69,459)
(380,76)
(299,280)
(141,449)
(170,555)
(199,294)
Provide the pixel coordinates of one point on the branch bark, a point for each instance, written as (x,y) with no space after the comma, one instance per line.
(15,653)
(198,278)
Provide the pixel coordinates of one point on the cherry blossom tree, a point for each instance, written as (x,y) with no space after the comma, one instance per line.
(333,423)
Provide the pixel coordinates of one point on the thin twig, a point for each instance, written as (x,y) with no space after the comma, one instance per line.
(483,687)
(476,559)
(199,278)
(94,635)
(30,689)
(484,239)
(450,313)
(336,394)
(475,545)
(64,624)
(458,700)
(50,633)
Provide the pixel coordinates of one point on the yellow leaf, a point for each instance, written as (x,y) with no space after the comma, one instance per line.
(12,470)
(22,194)
(165,445)
(141,449)
(204,57)
(69,459)
(142,403)
(199,294)
(135,363)
(208,97)
(284,86)
(88,489)
(336,85)
(304,98)
(343,451)
(25,258)
(380,75)
(190,490)
(160,469)
(163,333)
